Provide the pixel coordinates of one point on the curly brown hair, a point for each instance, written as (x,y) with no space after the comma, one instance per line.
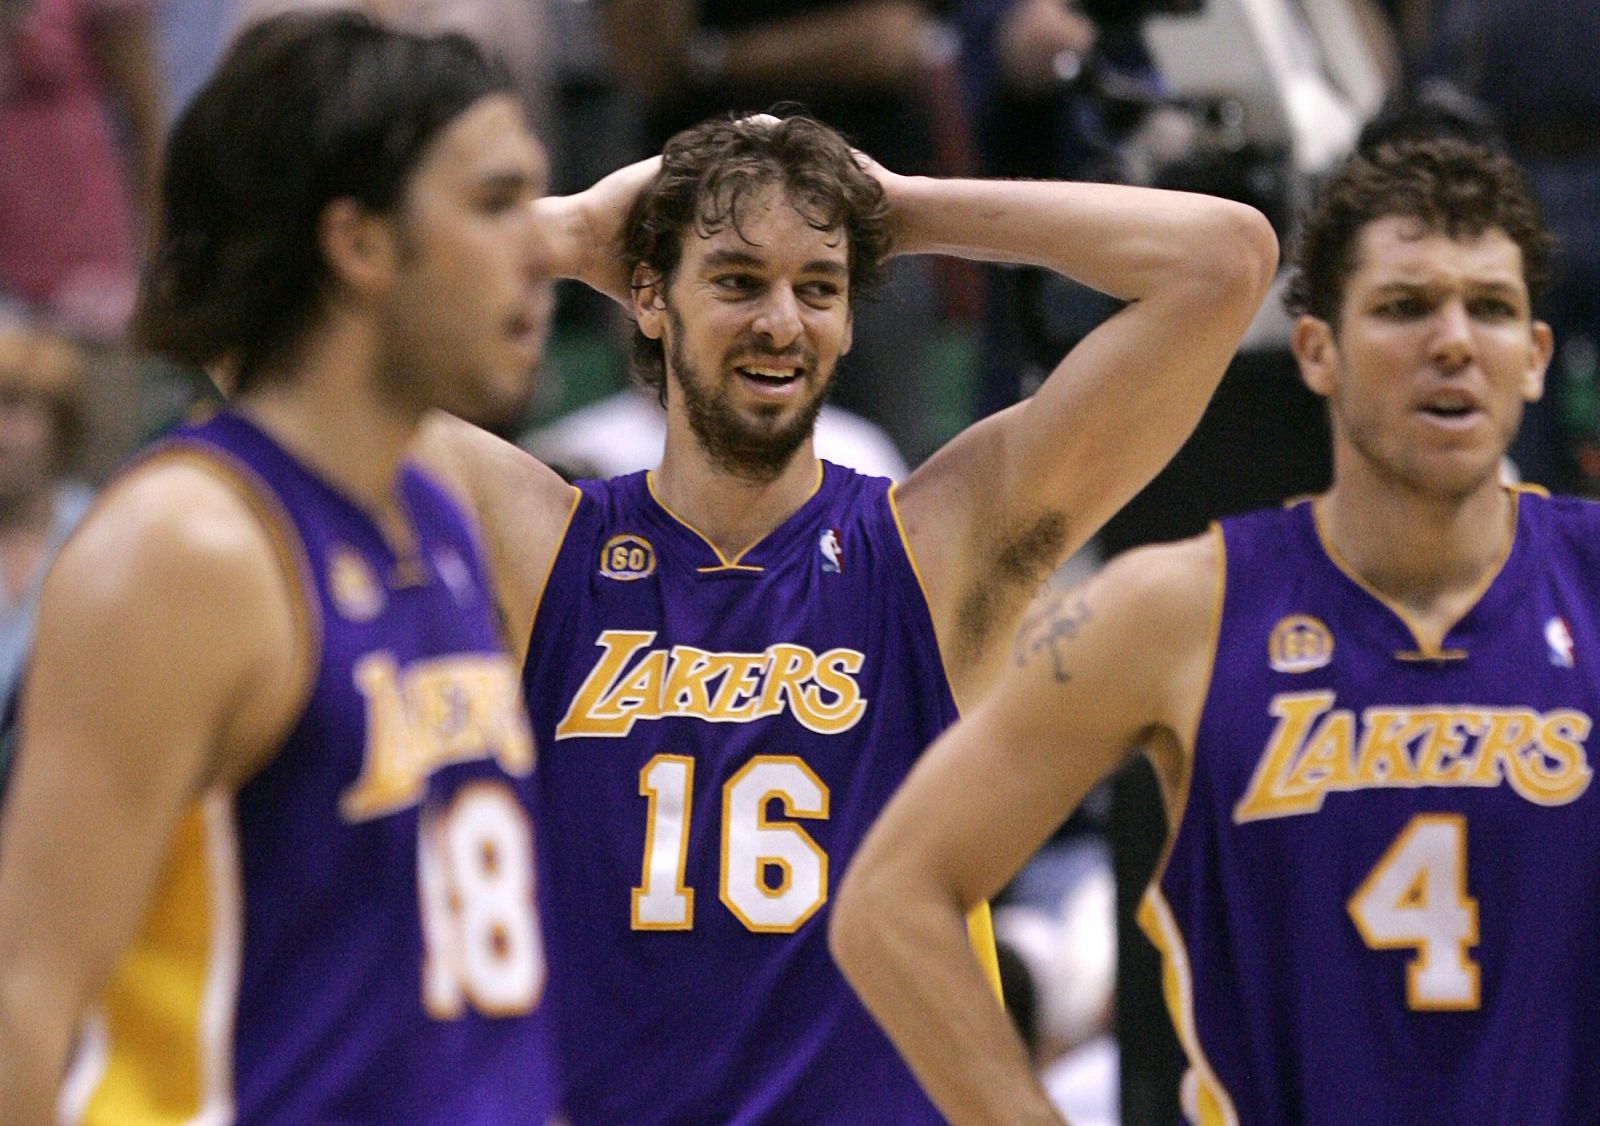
(712,171)
(1448,186)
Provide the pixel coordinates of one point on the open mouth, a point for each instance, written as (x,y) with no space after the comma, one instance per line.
(769,376)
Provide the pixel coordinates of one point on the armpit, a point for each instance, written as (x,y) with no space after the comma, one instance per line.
(1019,561)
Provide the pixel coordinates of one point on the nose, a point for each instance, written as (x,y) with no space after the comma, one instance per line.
(1452,345)
(778,319)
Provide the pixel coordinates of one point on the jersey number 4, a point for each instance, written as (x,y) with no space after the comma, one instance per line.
(1416,897)
(774,876)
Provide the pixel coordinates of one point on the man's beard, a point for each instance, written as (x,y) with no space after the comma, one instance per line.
(733,444)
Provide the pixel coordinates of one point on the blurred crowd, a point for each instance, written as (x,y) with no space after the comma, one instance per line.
(1251,99)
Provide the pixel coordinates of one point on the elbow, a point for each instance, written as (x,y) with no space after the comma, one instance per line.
(1240,252)
(850,933)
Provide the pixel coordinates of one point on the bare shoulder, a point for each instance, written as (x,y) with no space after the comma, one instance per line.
(498,480)
(1166,595)
(171,529)
(1144,625)
(175,565)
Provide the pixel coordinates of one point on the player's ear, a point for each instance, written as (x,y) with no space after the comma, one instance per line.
(358,245)
(1538,361)
(649,301)
(1315,350)
(849,332)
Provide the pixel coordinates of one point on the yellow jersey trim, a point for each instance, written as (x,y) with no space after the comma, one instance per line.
(1424,651)
(1205,1099)
(561,542)
(723,562)
(158,1047)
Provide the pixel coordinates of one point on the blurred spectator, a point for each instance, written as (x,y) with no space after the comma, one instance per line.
(80,130)
(865,67)
(1532,62)
(627,432)
(40,425)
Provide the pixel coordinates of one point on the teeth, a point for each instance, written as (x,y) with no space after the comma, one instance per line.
(770,373)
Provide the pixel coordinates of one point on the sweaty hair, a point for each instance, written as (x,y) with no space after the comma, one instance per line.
(1447,186)
(303,110)
(710,173)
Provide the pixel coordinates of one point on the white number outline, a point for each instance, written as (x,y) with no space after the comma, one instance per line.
(667,791)
(1431,848)
(450,977)
(810,802)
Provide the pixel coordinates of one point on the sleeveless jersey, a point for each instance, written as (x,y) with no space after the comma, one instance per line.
(716,736)
(1380,904)
(351,936)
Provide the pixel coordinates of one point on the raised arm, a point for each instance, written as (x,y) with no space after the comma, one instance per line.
(164,661)
(995,511)
(1091,674)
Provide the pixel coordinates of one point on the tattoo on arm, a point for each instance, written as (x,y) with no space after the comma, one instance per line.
(1047,628)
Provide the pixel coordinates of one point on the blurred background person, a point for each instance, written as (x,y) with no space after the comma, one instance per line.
(41,501)
(80,129)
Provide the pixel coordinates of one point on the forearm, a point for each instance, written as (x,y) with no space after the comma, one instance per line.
(905,951)
(1124,241)
(34,1039)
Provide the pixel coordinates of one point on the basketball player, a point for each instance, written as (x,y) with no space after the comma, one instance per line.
(1372,712)
(268,853)
(734,658)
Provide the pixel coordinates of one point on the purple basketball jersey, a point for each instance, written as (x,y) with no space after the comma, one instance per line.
(1382,903)
(352,936)
(716,735)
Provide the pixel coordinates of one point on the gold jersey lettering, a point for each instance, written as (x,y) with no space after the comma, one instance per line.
(1316,749)
(460,708)
(623,687)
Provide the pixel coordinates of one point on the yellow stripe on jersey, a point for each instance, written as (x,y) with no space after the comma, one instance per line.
(166,1052)
(1205,1099)
(980,936)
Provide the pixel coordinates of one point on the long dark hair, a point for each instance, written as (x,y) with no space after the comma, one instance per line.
(303,110)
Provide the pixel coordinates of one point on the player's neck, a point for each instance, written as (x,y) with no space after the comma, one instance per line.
(734,513)
(329,414)
(1433,556)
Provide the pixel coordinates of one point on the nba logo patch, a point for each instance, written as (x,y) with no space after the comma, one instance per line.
(1299,643)
(832,552)
(1559,638)
(353,587)
(627,557)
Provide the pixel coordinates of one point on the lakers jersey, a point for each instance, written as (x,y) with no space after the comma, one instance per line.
(1382,902)
(351,936)
(716,736)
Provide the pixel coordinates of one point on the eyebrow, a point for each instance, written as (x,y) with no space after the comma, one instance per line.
(719,259)
(512,180)
(1492,286)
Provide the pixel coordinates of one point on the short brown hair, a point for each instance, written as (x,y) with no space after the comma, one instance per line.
(1448,186)
(711,171)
